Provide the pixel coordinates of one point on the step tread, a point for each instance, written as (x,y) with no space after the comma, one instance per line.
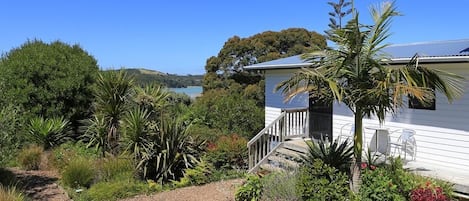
(290,153)
(283,161)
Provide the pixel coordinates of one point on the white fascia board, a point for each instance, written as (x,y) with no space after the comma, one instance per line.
(448,59)
(277,66)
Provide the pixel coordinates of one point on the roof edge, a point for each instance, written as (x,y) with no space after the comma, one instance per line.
(277,66)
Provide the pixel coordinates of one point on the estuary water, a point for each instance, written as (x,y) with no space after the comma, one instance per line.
(192,91)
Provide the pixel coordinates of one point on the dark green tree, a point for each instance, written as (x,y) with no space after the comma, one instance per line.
(48,80)
(239,52)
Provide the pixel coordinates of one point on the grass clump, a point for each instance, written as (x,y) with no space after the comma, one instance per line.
(79,173)
(29,157)
(112,168)
(70,151)
(280,186)
(116,189)
(10,194)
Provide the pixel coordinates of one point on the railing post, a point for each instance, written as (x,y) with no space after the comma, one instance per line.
(281,130)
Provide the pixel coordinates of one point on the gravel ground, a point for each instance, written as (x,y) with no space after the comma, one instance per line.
(217,191)
(40,185)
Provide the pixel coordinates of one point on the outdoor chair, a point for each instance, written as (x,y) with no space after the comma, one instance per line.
(346,133)
(406,144)
(379,145)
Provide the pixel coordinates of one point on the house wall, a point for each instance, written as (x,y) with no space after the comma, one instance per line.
(442,135)
(274,101)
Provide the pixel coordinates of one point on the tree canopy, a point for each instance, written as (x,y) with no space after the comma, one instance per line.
(239,52)
(48,79)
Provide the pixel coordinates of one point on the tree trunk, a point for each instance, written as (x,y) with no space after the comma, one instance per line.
(358,136)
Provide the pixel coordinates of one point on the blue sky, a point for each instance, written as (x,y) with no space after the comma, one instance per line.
(178,36)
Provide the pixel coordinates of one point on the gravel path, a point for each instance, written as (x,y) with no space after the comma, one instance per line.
(40,185)
(217,191)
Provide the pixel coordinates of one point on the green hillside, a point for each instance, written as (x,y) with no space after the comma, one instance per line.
(145,76)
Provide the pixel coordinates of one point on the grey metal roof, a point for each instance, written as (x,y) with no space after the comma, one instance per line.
(430,49)
(436,51)
(283,63)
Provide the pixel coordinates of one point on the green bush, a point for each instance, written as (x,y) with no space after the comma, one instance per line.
(70,151)
(200,174)
(251,190)
(10,194)
(114,190)
(280,186)
(333,154)
(48,132)
(228,152)
(11,133)
(114,167)
(79,173)
(319,181)
(378,185)
(30,157)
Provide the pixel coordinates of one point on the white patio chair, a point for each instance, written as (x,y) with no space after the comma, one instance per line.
(346,133)
(380,144)
(406,144)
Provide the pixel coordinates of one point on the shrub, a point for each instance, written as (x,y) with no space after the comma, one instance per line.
(228,152)
(169,152)
(30,157)
(113,168)
(428,192)
(200,174)
(333,154)
(70,151)
(78,173)
(320,181)
(250,190)
(10,194)
(114,190)
(280,186)
(11,133)
(378,185)
(48,132)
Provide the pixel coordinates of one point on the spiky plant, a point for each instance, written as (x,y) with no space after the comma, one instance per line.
(48,132)
(333,154)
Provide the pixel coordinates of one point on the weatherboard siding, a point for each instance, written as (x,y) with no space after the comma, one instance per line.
(442,135)
(274,100)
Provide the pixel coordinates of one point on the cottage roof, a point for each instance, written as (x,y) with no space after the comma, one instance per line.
(428,52)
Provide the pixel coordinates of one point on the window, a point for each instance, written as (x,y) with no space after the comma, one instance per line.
(416,104)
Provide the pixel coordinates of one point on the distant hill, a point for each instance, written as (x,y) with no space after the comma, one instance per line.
(145,76)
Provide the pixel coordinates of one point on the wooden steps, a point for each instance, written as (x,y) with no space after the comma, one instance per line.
(287,157)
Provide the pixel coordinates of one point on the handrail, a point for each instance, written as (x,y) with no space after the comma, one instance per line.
(290,123)
(261,133)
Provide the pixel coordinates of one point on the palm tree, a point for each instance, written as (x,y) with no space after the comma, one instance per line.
(113,89)
(355,73)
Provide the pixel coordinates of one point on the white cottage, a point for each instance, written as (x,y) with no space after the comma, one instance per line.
(442,130)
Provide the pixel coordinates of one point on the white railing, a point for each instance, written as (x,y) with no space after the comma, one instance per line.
(291,123)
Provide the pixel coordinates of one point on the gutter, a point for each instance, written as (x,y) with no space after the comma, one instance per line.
(395,61)
(446,59)
(277,66)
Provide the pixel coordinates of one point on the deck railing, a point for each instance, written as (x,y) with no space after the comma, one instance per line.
(291,123)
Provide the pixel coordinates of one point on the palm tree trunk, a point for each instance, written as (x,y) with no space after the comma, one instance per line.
(358,136)
(358,144)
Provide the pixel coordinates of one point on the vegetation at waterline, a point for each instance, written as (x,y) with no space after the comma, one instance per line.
(145,77)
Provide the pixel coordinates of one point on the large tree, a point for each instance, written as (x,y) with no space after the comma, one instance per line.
(49,80)
(354,73)
(239,52)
